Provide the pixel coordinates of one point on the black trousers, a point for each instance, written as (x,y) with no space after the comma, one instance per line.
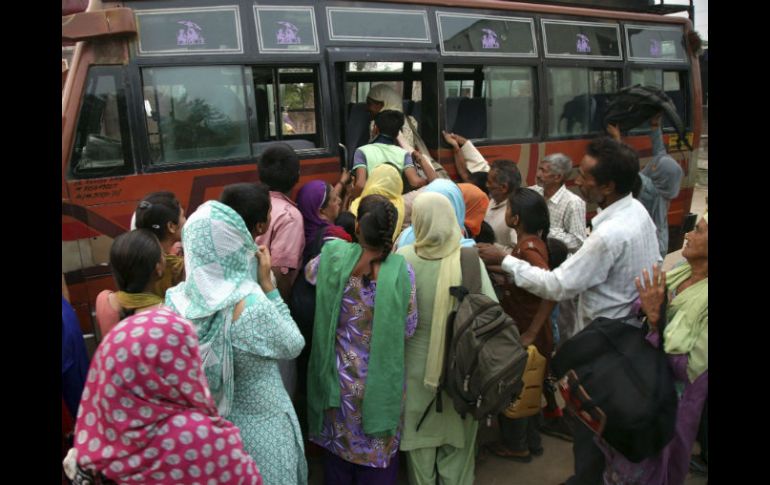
(589,459)
(520,434)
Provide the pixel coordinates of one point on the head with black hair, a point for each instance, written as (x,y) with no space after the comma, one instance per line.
(161,214)
(608,171)
(486,235)
(557,253)
(279,167)
(347,221)
(137,261)
(527,213)
(389,122)
(479,179)
(503,179)
(251,202)
(376,224)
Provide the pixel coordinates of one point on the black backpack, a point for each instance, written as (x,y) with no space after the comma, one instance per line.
(627,379)
(484,360)
(634,105)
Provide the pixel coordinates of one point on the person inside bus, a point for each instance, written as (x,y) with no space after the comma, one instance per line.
(664,175)
(356,374)
(138,265)
(382,97)
(278,167)
(385,149)
(602,271)
(445,445)
(162,214)
(147,415)
(244,325)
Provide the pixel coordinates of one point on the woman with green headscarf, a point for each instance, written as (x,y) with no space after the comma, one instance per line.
(445,443)
(365,308)
(685,339)
(244,327)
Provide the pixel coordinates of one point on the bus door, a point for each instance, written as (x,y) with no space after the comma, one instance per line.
(414,80)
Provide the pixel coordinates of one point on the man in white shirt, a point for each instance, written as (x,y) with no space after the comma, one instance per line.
(567,211)
(622,243)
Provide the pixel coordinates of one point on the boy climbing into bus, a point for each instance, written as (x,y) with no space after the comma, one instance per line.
(385,149)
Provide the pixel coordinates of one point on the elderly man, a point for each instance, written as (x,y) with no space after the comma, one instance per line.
(567,211)
(622,243)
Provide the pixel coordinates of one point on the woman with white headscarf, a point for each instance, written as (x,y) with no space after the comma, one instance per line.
(445,443)
(244,327)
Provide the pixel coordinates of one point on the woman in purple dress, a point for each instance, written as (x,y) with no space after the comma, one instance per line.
(356,371)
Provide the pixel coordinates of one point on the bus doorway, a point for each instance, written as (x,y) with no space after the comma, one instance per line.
(414,81)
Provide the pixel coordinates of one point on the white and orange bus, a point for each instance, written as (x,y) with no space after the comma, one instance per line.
(183,96)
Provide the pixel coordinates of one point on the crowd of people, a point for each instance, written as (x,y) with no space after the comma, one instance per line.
(262,325)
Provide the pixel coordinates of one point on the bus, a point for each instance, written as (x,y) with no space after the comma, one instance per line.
(184,96)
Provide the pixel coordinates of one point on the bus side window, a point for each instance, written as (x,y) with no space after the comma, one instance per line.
(578,98)
(505,109)
(674,83)
(101,137)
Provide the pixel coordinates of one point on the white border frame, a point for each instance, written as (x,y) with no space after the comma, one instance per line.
(333,37)
(529,21)
(652,60)
(179,52)
(616,26)
(275,8)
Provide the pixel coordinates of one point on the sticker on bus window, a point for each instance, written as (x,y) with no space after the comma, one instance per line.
(489,41)
(192,35)
(482,35)
(189,31)
(286,30)
(583,45)
(647,43)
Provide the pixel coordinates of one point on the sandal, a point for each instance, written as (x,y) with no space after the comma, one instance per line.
(502,451)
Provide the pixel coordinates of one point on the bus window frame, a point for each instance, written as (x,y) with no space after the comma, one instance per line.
(423,9)
(142,136)
(651,60)
(565,63)
(682,69)
(535,63)
(128,147)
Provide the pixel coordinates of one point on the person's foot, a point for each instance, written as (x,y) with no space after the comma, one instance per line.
(558,428)
(536,451)
(502,451)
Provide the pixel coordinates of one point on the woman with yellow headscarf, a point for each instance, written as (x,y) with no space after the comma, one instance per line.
(385,180)
(445,442)
(685,341)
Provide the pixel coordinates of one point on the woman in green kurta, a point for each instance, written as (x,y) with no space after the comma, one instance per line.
(244,327)
(445,443)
